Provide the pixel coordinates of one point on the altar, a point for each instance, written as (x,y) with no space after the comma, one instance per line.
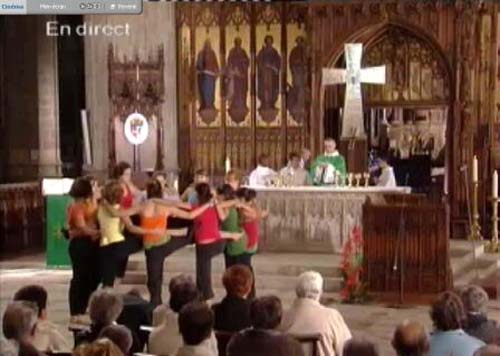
(313,219)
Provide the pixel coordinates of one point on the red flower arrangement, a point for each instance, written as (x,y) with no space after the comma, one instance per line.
(354,290)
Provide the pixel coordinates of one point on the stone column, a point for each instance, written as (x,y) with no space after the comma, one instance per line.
(49,163)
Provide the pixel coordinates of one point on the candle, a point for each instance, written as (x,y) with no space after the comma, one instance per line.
(176,185)
(227,164)
(475,171)
(495,185)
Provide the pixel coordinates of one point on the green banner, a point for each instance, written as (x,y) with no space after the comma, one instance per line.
(56,207)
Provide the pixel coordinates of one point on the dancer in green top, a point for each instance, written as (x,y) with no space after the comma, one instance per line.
(326,166)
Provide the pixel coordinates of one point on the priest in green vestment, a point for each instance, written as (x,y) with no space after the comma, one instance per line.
(327,166)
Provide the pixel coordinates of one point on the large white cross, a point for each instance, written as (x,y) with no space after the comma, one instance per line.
(353,76)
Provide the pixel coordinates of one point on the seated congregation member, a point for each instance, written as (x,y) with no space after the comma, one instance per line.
(18,326)
(114,248)
(475,300)
(297,175)
(359,347)
(196,322)
(262,175)
(105,307)
(47,336)
(263,338)
(137,311)
(307,315)
(209,242)
(83,246)
(410,339)
(99,347)
(189,195)
(155,215)
(449,338)
(120,335)
(166,339)
(233,312)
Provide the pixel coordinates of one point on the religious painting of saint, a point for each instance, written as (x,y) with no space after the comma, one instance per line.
(298,92)
(236,81)
(268,79)
(207,69)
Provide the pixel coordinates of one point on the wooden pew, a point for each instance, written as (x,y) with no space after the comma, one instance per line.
(412,232)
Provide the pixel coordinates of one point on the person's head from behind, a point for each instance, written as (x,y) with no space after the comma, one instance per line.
(105,306)
(34,294)
(237,281)
(359,347)
(196,321)
(263,160)
(154,189)
(100,347)
(200,176)
(226,192)
(19,321)
(161,178)
(233,178)
(488,350)
(182,291)
(204,193)
(246,194)
(294,160)
(120,335)
(330,145)
(112,192)
(410,339)
(309,285)
(266,312)
(475,299)
(81,189)
(123,172)
(447,312)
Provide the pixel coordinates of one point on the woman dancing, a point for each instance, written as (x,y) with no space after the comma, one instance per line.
(83,246)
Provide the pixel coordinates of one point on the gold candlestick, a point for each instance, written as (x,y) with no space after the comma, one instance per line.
(366,176)
(357,177)
(350,178)
(475,234)
(493,246)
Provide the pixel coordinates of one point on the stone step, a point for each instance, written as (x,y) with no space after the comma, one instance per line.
(263,281)
(484,266)
(462,255)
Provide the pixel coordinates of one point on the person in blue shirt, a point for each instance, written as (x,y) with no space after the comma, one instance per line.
(449,318)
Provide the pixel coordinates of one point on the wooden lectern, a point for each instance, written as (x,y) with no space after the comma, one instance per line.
(406,250)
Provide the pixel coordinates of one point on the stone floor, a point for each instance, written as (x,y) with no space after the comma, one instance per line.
(374,321)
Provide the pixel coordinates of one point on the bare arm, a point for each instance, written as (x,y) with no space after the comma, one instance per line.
(190,215)
(119,213)
(139,230)
(83,228)
(170,204)
(223,208)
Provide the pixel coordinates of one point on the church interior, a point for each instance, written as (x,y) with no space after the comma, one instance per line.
(284,162)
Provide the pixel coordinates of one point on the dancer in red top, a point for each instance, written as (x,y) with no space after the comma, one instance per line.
(209,242)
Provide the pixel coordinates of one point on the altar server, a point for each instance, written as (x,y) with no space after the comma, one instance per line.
(294,173)
(262,175)
(326,166)
(386,178)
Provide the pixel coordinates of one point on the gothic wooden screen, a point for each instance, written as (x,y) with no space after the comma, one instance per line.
(244,79)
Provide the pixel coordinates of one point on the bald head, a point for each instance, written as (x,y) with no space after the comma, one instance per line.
(410,339)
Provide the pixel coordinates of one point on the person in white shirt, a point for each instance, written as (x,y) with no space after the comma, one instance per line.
(293,173)
(47,336)
(196,322)
(387,178)
(307,315)
(262,175)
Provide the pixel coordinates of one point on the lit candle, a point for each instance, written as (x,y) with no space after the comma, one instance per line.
(495,185)
(176,185)
(227,164)
(475,170)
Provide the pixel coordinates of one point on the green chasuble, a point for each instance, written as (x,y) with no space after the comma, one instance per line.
(321,175)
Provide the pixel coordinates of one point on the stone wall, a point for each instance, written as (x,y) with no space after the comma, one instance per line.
(155,27)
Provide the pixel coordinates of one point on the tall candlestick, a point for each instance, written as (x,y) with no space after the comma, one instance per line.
(495,185)
(475,170)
